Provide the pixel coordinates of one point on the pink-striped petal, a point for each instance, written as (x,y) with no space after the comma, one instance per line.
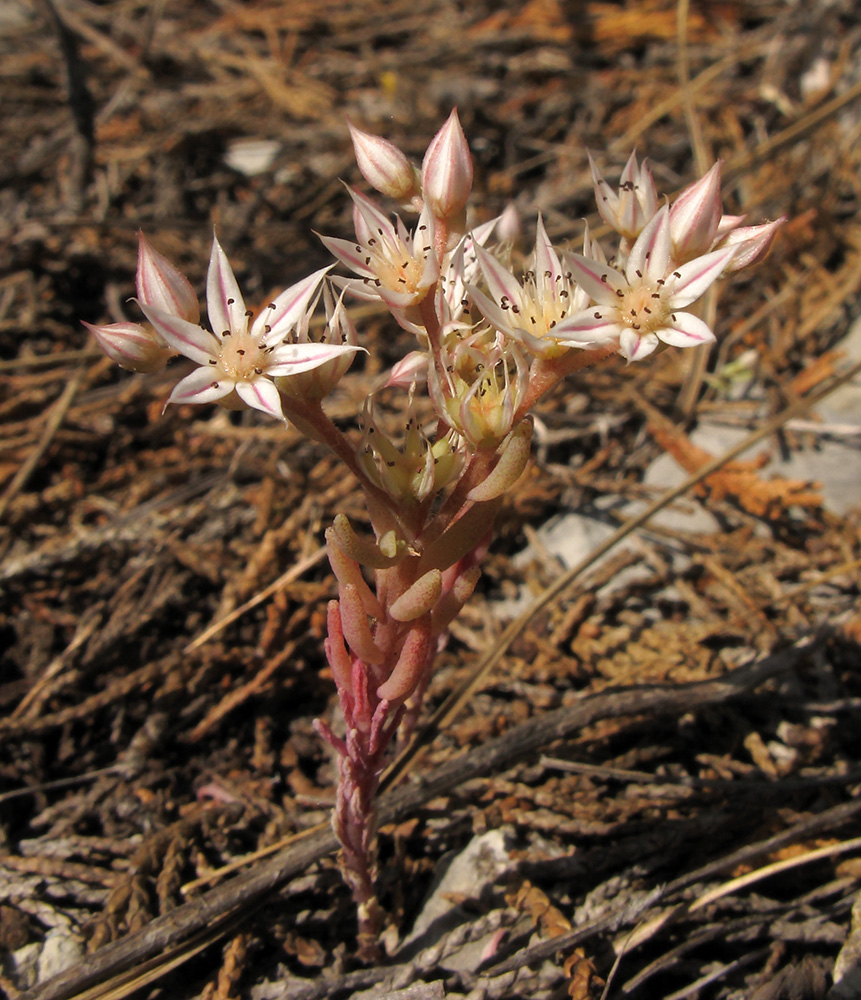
(589,326)
(201,386)
(650,254)
(377,222)
(599,280)
(685,330)
(224,302)
(546,262)
(605,197)
(688,282)
(291,359)
(351,254)
(288,309)
(194,342)
(360,288)
(412,369)
(498,318)
(261,394)
(501,283)
(630,215)
(635,346)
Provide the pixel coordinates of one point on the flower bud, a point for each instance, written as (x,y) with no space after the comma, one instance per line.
(695,217)
(161,285)
(508,225)
(633,206)
(134,346)
(447,170)
(751,242)
(383,165)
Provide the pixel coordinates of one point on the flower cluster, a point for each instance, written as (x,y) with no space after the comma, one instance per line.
(481,347)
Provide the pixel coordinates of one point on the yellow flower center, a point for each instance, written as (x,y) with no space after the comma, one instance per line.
(241,356)
(642,309)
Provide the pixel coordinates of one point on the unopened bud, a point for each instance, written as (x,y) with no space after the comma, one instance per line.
(447,170)
(695,217)
(751,242)
(383,165)
(163,286)
(134,346)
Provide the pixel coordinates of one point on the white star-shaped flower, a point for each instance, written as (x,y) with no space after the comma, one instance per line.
(643,305)
(241,357)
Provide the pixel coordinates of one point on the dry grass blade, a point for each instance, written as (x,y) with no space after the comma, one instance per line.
(286,578)
(750,878)
(55,418)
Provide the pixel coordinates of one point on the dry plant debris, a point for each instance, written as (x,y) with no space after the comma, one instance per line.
(155,712)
